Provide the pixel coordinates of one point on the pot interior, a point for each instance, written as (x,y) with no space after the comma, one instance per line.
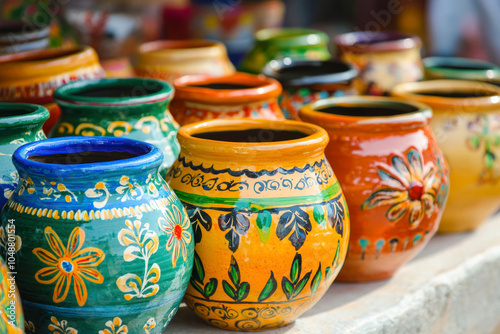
(468,67)
(232,86)
(252,135)
(455,93)
(14,112)
(116,91)
(84,157)
(369,110)
(313,69)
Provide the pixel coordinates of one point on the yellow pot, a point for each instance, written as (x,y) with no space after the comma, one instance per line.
(466,124)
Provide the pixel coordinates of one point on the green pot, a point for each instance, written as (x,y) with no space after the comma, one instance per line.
(134,108)
(295,43)
(19,124)
(461,69)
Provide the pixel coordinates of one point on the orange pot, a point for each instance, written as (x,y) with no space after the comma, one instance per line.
(199,98)
(32,76)
(393,176)
(168,60)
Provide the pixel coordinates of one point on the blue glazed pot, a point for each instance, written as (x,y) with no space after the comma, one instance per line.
(19,124)
(105,243)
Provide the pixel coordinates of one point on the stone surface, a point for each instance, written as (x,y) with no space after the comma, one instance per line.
(452,287)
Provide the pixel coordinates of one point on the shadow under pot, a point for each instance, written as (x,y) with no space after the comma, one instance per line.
(19,124)
(101,236)
(295,43)
(171,59)
(306,81)
(384,59)
(393,176)
(270,222)
(200,98)
(467,127)
(33,76)
(132,108)
(461,69)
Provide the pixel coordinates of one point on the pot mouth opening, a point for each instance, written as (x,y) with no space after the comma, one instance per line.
(455,94)
(256,135)
(20,114)
(40,55)
(20,27)
(369,110)
(84,157)
(456,63)
(225,86)
(15,111)
(377,41)
(164,45)
(116,91)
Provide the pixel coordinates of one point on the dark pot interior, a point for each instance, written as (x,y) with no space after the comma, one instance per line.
(252,135)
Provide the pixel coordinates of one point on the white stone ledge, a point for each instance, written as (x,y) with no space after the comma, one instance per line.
(452,287)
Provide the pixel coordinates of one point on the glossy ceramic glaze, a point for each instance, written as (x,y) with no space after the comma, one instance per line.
(460,69)
(33,76)
(11,311)
(135,108)
(270,222)
(199,98)
(18,36)
(392,174)
(19,124)
(384,59)
(306,81)
(104,242)
(295,43)
(467,129)
(170,59)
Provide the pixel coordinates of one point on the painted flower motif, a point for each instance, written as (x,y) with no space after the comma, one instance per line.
(57,327)
(408,187)
(9,184)
(130,191)
(53,190)
(176,226)
(27,185)
(4,240)
(67,264)
(100,193)
(29,327)
(149,325)
(115,327)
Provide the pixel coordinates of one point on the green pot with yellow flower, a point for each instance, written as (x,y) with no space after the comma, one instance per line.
(103,244)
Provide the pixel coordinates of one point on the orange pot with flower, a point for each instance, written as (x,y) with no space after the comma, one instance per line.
(393,176)
(33,76)
(199,98)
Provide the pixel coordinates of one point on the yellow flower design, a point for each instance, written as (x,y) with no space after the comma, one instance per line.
(61,327)
(66,264)
(115,327)
(177,228)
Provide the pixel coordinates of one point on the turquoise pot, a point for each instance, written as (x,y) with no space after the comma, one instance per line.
(19,124)
(104,241)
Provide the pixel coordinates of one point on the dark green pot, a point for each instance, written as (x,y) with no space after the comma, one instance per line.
(19,124)
(135,108)
(295,43)
(461,69)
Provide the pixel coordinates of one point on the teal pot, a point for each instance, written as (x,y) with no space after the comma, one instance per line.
(104,242)
(295,43)
(306,81)
(19,124)
(461,69)
(135,108)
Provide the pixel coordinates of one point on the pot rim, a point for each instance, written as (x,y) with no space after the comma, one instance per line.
(67,95)
(21,34)
(285,37)
(263,88)
(25,65)
(410,91)
(438,65)
(164,51)
(311,146)
(33,115)
(376,41)
(406,120)
(149,156)
(273,70)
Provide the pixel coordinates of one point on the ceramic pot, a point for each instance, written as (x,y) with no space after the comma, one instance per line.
(132,108)
(306,81)
(11,311)
(467,127)
(460,69)
(18,36)
(32,76)
(19,124)
(169,60)
(199,98)
(295,43)
(270,222)
(384,59)
(393,176)
(105,243)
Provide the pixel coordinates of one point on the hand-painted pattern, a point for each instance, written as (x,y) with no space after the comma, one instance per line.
(61,327)
(115,327)
(4,240)
(70,264)
(141,244)
(409,187)
(9,183)
(176,226)
(29,327)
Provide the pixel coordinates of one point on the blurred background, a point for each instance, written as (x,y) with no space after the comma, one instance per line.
(115,28)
